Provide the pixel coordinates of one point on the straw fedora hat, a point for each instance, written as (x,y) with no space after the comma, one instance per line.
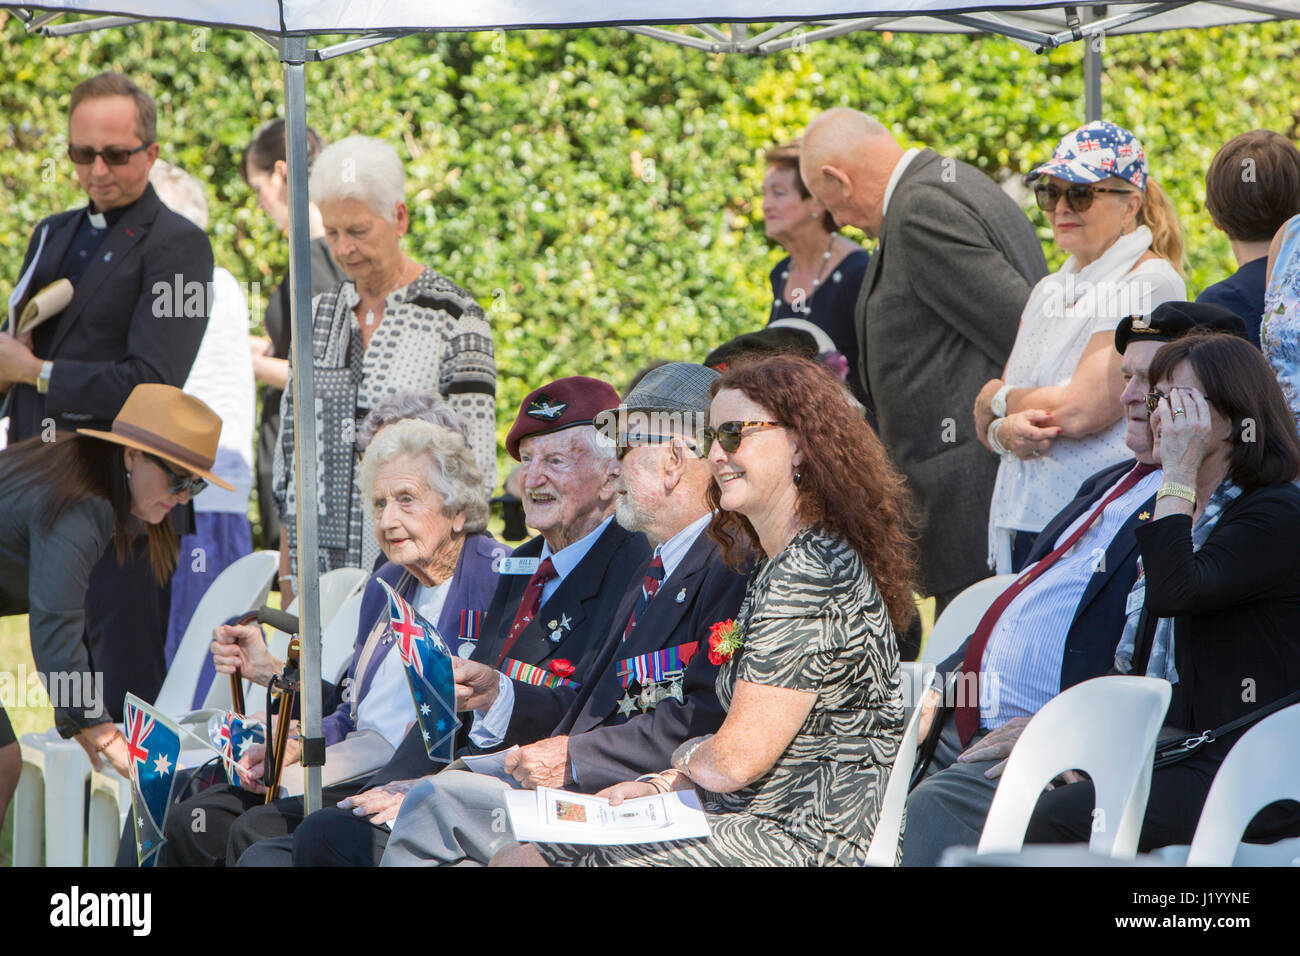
(164,421)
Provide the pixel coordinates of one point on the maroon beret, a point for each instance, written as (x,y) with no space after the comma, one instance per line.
(562,404)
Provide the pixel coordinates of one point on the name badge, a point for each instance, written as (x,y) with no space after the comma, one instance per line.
(519,566)
(1135,601)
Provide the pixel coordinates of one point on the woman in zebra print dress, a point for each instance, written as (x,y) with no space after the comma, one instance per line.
(796,773)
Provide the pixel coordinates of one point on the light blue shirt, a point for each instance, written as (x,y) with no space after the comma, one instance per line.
(1021,669)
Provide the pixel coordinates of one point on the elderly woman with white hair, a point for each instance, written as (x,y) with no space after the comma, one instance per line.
(394,325)
(426,505)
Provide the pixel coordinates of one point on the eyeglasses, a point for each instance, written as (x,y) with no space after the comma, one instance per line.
(632,441)
(176,482)
(113,155)
(1078,197)
(729,434)
(1155,396)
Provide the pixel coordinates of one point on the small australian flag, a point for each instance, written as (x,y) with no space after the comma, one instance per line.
(428,672)
(153,745)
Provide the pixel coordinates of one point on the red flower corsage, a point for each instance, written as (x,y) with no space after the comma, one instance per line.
(562,668)
(723,641)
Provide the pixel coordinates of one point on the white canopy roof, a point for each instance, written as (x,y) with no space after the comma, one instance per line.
(1035,23)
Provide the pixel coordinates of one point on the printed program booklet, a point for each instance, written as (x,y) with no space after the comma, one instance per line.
(559,816)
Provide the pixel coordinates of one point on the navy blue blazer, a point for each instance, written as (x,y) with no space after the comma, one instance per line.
(588,596)
(1099,616)
(1242,293)
(123,326)
(472,585)
(605,746)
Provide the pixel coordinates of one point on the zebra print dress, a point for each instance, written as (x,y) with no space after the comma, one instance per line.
(814,621)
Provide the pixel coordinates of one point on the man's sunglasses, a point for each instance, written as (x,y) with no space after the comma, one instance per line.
(113,155)
(729,434)
(632,441)
(176,482)
(1078,197)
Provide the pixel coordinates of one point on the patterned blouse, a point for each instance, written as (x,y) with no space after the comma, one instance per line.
(1279,335)
(812,620)
(433,337)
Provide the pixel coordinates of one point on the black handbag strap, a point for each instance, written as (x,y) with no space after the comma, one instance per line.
(1176,750)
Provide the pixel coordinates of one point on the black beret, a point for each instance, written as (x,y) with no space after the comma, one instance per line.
(1173,320)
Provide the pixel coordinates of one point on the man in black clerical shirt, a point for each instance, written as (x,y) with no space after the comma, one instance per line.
(142,278)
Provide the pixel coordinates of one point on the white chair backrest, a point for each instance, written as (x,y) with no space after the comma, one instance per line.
(338,641)
(1106,727)
(883,850)
(1259,769)
(240,587)
(960,618)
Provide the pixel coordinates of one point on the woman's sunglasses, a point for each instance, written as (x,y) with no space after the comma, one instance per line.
(729,434)
(1078,197)
(176,482)
(113,155)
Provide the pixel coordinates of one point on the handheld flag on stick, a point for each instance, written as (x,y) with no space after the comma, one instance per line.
(428,671)
(153,745)
(232,733)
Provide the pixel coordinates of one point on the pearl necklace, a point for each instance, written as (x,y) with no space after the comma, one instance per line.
(817,279)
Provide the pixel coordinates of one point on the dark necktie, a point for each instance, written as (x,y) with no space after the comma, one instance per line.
(529,605)
(649,588)
(967,711)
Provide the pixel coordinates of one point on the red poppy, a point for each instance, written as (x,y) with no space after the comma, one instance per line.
(562,668)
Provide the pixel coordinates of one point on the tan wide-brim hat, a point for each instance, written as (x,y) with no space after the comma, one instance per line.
(164,421)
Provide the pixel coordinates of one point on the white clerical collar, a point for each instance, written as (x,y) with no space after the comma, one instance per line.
(901,167)
(97,220)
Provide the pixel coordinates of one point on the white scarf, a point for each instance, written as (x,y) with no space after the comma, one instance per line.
(1072,299)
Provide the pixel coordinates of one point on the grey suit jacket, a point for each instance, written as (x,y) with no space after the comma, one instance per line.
(937,316)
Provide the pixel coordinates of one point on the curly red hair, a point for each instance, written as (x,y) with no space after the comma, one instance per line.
(848,484)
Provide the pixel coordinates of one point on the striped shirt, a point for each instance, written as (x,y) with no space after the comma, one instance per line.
(1021,668)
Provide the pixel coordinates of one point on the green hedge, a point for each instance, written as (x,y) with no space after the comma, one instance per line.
(598,191)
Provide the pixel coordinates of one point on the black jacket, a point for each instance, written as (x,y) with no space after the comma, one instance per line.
(138,315)
(606,746)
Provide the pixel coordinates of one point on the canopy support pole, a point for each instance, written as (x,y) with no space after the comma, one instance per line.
(294,54)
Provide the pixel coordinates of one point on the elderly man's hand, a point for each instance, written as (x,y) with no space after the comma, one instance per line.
(476,684)
(541,764)
(995,745)
(381,804)
(242,646)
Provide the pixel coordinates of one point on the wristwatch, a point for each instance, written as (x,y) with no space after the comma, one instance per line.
(999,403)
(43,380)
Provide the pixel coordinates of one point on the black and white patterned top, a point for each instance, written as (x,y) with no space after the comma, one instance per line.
(433,337)
(813,620)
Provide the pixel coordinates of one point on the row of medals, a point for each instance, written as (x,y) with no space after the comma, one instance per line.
(644,697)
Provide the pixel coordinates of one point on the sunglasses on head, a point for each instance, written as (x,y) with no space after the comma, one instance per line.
(1078,197)
(176,482)
(632,441)
(729,434)
(113,155)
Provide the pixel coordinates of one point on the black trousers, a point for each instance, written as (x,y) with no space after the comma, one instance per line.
(1178,792)
(335,837)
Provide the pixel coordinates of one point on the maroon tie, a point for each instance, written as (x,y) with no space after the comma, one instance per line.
(649,588)
(967,710)
(528,606)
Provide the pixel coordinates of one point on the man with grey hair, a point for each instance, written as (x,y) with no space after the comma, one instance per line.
(624,721)
(937,316)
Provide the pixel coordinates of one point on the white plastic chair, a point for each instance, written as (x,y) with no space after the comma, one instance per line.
(962,615)
(889,827)
(1259,769)
(1107,727)
(241,587)
(338,640)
